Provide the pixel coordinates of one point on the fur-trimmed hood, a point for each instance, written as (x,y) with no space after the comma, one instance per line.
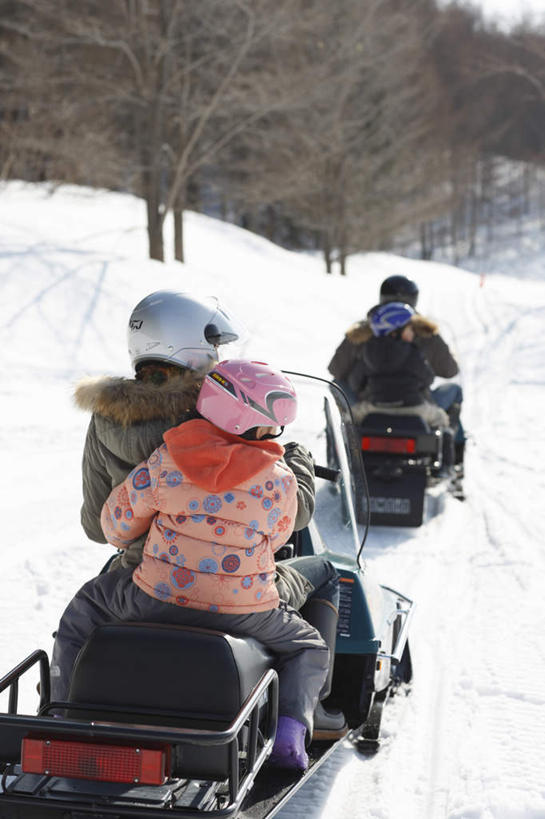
(127,401)
(361,332)
(424,327)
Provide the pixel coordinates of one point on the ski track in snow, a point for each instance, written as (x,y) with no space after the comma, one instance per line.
(469,740)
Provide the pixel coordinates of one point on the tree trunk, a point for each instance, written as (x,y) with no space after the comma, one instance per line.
(342,252)
(341,229)
(151,188)
(178,216)
(426,240)
(155,231)
(326,247)
(473,210)
(270,223)
(541,191)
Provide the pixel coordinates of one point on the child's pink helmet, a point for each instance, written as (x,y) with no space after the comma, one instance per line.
(238,395)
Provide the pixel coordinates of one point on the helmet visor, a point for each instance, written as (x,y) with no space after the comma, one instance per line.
(223,328)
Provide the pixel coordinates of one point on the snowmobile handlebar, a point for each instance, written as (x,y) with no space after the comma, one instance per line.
(326,473)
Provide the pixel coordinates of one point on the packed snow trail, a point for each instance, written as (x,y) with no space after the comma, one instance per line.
(469,741)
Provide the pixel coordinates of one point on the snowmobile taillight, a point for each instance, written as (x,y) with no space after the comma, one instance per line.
(379,443)
(83,760)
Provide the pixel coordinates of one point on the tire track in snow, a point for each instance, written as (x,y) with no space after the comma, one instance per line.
(502,679)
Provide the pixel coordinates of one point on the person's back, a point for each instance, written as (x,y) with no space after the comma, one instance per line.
(344,363)
(395,371)
(128,419)
(173,340)
(395,376)
(222,505)
(347,368)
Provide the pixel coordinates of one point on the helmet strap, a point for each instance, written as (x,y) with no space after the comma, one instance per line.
(269,436)
(250,435)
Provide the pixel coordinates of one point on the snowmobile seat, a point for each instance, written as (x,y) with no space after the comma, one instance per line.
(378,428)
(169,675)
(378,422)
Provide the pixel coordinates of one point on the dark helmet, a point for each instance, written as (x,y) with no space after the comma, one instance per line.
(399,288)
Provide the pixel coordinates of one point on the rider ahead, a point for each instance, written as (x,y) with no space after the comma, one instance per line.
(345,365)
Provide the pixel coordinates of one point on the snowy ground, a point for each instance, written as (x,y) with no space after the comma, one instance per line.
(469,742)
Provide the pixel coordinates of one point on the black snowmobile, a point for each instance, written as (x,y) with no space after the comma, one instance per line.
(405,458)
(202,750)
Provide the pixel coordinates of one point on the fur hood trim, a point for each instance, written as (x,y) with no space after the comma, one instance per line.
(128,401)
(360,332)
(423,326)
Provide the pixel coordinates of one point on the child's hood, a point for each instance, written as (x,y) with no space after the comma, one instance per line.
(216,460)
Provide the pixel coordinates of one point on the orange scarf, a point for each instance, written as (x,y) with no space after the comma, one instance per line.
(216,460)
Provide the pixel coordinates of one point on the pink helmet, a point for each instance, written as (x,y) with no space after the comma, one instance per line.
(238,395)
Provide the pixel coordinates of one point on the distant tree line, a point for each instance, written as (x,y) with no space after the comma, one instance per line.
(337,126)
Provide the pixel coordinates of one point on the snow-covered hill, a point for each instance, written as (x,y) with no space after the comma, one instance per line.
(469,742)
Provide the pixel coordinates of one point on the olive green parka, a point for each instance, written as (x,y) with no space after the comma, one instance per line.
(128,419)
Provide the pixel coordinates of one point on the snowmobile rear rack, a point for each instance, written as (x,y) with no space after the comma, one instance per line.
(51,794)
(11,679)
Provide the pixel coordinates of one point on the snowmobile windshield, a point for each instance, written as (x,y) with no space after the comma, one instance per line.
(324,425)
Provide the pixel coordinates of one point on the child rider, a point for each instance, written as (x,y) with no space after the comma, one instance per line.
(218,501)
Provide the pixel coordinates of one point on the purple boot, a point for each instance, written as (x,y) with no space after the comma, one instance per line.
(289,746)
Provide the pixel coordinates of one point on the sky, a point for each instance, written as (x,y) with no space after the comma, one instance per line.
(509,11)
(469,740)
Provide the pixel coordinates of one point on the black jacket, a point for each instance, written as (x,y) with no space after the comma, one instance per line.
(347,368)
(394,372)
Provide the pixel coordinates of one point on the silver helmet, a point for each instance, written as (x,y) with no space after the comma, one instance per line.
(181,329)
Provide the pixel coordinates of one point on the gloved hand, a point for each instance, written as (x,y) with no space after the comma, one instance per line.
(293,449)
(301,463)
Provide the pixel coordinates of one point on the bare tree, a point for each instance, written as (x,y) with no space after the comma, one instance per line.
(166,74)
(347,166)
(43,134)
(322,125)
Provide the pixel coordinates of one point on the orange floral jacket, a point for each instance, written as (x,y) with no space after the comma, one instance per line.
(217,508)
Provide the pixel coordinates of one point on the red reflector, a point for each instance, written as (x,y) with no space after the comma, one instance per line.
(400,446)
(82,760)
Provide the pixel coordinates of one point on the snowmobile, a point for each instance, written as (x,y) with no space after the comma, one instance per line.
(113,750)
(404,459)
